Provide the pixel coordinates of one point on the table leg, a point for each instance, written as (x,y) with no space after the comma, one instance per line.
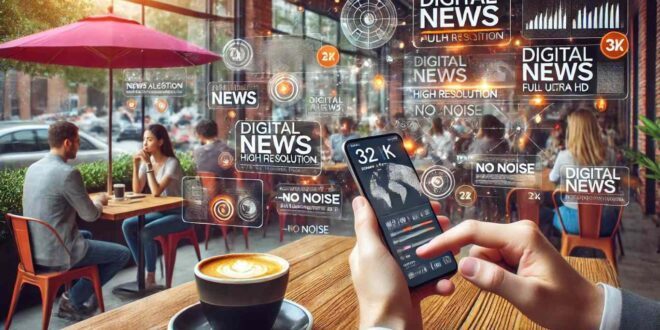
(140,271)
(137,288)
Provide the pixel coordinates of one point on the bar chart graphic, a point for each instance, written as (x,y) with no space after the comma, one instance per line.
(605,16)
(563,19)
(550,19)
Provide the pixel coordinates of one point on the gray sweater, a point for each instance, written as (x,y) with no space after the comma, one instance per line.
(54,192)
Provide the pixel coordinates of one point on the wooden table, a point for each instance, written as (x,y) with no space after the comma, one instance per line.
(320,280)
(122,210)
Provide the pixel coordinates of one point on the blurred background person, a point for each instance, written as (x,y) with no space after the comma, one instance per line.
(326,147)
(346,132)
(439,143)
(584,147)
(207,156)
(490,138)
(381,125)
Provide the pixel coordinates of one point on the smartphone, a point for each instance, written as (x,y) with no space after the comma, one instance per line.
(386,177)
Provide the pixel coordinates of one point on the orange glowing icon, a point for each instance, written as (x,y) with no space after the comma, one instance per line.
(614,45)
(222,208)
(161,105)
(284,88)
(131,104)
(327,56)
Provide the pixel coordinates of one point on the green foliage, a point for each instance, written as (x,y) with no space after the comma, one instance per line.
(187,163)
(652,129)
(19,18)
(94,176)
(11,190)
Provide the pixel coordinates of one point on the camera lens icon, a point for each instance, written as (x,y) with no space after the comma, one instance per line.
(237,54)
(247,209)
(437,182)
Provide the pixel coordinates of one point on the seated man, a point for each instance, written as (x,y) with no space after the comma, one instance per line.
(207,155)
(55,193)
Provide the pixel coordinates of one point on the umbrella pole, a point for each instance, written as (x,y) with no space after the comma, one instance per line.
(110,134)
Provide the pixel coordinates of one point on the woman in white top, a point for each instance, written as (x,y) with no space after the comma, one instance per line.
(155,166)
(439,144)
(584,147)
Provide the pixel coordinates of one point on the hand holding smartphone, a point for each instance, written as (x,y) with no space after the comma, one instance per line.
(386,177)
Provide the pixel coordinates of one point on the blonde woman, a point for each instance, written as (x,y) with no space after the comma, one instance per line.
(584,147)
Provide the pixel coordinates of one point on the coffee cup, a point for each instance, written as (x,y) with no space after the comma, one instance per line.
(242,290)
(119,189)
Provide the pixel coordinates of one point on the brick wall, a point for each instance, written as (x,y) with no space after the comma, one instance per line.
(641,69)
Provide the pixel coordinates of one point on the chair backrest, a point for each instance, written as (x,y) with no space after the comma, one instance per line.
(589,220)
(21,231)
(528,208)
(208,181)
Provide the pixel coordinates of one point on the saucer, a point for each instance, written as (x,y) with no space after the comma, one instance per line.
(292,316)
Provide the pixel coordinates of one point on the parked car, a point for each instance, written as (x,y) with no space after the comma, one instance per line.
(129,127)
(21,144)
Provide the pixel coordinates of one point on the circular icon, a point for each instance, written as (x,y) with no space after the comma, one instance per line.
(247,209)
(225,160)
(614,45)
(465,195)
(237,54)
(222,208)
(368,24)
(518,129)
(284,89)
(131,104)
(161,105)
(327,56)
(437,182)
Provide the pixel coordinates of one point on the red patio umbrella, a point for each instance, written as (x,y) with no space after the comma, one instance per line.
(106,41)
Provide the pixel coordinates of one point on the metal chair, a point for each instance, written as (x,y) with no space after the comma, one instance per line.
(527,209)
(589,223)
(48,283)
(169,243)
(209,182)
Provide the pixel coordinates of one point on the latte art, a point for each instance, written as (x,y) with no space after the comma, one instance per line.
(242,269)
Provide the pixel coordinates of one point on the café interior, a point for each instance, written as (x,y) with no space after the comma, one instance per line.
(377,89)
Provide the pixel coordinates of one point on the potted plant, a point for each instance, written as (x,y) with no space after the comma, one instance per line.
(652,166)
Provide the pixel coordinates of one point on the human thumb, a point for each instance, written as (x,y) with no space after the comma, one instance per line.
(366,225)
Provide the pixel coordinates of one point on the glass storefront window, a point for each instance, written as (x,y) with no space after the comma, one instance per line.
(286,17)
(43,94)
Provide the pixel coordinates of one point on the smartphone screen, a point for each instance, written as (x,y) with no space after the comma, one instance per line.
(388,180)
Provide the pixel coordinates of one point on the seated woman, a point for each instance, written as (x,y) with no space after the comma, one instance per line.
(156,166)
(584,147)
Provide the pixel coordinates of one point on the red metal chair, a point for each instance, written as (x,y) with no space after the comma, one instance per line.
(209,182)
(169,243)
(48,283)
(527,209)
(589,222)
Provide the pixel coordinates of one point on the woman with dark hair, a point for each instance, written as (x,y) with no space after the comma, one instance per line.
(156,166)
(490,139)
